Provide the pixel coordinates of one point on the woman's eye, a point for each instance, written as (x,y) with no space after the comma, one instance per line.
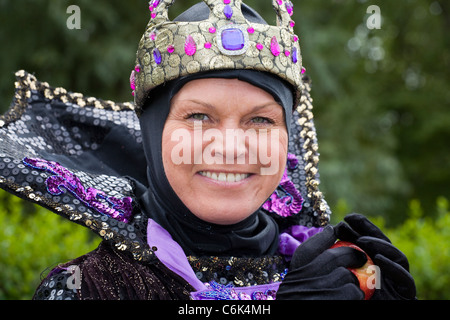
(261,120)
(198,117)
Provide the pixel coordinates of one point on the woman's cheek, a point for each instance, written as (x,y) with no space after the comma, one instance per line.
(273,152)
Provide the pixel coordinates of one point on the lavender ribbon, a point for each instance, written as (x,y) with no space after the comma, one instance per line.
(217,291)
(171,254)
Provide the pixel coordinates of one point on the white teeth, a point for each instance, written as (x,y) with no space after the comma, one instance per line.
(222,177)
(225,177)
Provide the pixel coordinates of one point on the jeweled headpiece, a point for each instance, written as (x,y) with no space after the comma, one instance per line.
(226,40)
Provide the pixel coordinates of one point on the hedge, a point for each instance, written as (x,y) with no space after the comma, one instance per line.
(32,242)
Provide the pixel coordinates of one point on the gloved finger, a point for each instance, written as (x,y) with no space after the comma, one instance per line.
(373,246)
(313,247)
(332,259)
(397,277)
(348,291)
(344,232)
(336,278)
(364,227)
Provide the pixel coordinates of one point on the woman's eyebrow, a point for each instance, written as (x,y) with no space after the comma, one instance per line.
(255,108)
(203,103)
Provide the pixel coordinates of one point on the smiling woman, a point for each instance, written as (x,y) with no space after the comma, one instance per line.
(223,104)
(207,186)
(228,106)
(239,134)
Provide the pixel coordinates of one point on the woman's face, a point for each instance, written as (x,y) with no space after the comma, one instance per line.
(224,148)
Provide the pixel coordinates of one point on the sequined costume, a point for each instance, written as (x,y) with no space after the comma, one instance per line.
(68,133)
(65,152)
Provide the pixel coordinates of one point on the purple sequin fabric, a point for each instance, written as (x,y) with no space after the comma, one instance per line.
(286,200)
(119,209)
(217,291)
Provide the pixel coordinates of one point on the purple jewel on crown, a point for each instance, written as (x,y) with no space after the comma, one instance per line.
(232,39)
(228,11)
(157,56)
(294,55)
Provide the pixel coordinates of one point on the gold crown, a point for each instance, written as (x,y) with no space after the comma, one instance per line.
(226,40)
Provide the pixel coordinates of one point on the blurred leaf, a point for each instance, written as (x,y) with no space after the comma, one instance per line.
(32,242)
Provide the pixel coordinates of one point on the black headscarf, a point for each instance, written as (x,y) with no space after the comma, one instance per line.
(254,236)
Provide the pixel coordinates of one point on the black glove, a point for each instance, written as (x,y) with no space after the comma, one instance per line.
(395,280)
(317,272)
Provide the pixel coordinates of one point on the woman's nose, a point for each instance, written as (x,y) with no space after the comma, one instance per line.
(229,145)
(235,148)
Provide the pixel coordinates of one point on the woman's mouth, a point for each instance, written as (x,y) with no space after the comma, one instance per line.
(225,176)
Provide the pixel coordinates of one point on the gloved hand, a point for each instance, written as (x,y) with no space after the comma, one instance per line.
(317,272)
(396,281)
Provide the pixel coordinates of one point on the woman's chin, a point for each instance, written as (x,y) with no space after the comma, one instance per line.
(222,210)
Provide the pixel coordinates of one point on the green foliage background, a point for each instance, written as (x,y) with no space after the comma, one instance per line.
(381,109)
(32,242)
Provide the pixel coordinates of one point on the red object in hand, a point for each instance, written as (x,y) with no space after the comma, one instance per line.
(363,274)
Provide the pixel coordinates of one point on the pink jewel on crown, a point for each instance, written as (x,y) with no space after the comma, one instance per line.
(133,80)
(190,47)
(289,7)
(155,3)
(275,47)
